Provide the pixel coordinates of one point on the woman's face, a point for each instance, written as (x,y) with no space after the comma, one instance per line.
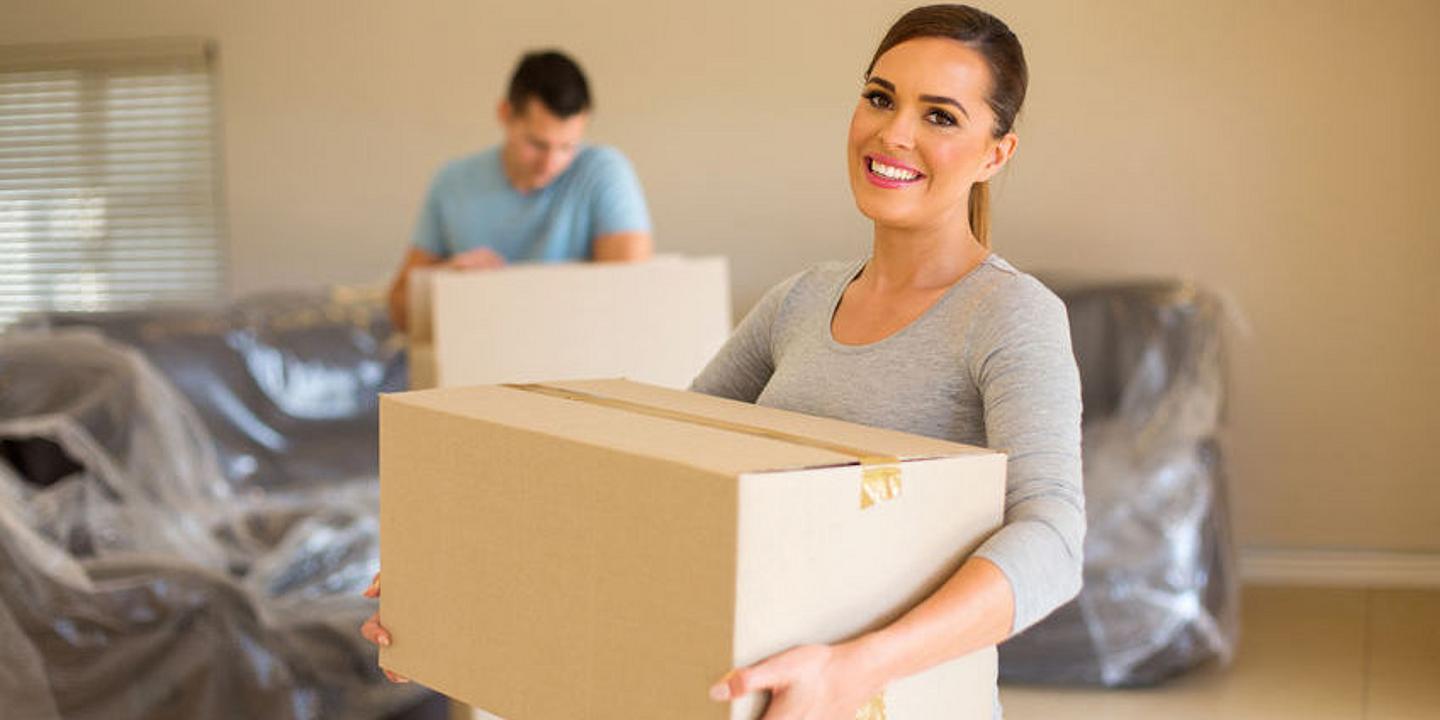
(922,134)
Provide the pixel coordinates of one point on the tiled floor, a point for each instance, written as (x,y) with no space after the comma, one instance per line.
(1305,653)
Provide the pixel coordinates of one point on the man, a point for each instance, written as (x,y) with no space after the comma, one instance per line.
(538,196)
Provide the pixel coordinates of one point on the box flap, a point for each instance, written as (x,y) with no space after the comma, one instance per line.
(783,440)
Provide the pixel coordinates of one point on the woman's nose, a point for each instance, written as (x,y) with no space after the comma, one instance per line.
(899,133)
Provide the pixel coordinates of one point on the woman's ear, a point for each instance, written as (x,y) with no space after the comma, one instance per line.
(999,153)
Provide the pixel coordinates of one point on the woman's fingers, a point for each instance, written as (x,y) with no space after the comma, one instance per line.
(768,675)
(375,632)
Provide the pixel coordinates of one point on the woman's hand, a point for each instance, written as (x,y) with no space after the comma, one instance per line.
(375,632)
(810,682)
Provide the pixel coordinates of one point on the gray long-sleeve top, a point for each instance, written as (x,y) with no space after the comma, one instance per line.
(989,364)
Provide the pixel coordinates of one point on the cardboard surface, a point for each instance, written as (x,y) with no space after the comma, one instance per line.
(658,321)
(556,558)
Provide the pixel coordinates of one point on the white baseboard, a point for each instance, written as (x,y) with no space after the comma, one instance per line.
(1339,568)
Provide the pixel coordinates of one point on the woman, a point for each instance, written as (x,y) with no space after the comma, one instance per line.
(932,334)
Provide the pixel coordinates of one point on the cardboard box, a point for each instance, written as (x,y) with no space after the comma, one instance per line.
(658,321)
(607,549)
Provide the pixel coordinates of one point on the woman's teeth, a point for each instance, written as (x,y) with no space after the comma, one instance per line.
(894,173)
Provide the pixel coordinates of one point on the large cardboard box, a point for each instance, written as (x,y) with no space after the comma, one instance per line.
(608,549)
(658,321)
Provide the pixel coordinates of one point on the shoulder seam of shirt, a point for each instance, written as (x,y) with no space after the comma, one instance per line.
(999,263)
(982,307)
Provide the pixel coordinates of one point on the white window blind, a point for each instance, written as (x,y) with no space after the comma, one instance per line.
(108,177)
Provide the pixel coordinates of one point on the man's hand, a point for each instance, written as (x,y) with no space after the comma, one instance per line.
(478,259)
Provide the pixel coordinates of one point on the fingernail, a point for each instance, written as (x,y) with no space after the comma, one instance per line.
(720,691)
(384,640)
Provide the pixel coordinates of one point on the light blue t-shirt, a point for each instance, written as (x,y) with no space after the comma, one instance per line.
(471,204)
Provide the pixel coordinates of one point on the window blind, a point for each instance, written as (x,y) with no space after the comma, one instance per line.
(108,177)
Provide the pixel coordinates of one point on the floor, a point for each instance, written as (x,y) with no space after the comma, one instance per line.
(1316,654)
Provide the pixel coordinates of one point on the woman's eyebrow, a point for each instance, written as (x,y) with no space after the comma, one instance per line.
(937,99)
(942,100)
(882,82)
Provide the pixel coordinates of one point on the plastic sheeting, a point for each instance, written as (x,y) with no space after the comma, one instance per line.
(195,549)
(1161,591)
(285,383)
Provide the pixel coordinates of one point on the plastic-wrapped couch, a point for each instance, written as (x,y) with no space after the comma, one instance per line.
(1161,590)
(188,512)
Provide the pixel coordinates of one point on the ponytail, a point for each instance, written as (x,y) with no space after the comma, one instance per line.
(980,213)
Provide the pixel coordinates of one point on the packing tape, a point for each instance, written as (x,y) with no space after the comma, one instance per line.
(879,480)
(873,710)
(879,473)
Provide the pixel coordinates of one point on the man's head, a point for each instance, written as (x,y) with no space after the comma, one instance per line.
(544,116)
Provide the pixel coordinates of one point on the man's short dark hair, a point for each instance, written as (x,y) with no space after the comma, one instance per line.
(553,79)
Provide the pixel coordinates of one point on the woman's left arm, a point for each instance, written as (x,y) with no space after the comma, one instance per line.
(1025,370)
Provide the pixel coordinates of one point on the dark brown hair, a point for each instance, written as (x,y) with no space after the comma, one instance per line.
(992,38)
(552,78)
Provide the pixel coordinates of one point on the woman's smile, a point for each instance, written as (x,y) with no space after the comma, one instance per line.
(887,172)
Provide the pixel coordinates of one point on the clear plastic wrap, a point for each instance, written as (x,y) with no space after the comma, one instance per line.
(150,569)
(124,465)
(285,383)
(1161,589)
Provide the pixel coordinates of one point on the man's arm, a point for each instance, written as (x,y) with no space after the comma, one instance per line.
(623,247)
(619,218)
(400,286)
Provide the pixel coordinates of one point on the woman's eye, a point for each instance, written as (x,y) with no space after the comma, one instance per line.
(942,118)
(877,99)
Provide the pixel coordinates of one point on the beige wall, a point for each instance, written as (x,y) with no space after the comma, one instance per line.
(1284,152)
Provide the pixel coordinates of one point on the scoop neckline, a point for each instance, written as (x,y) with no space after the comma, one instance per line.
(858,267)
